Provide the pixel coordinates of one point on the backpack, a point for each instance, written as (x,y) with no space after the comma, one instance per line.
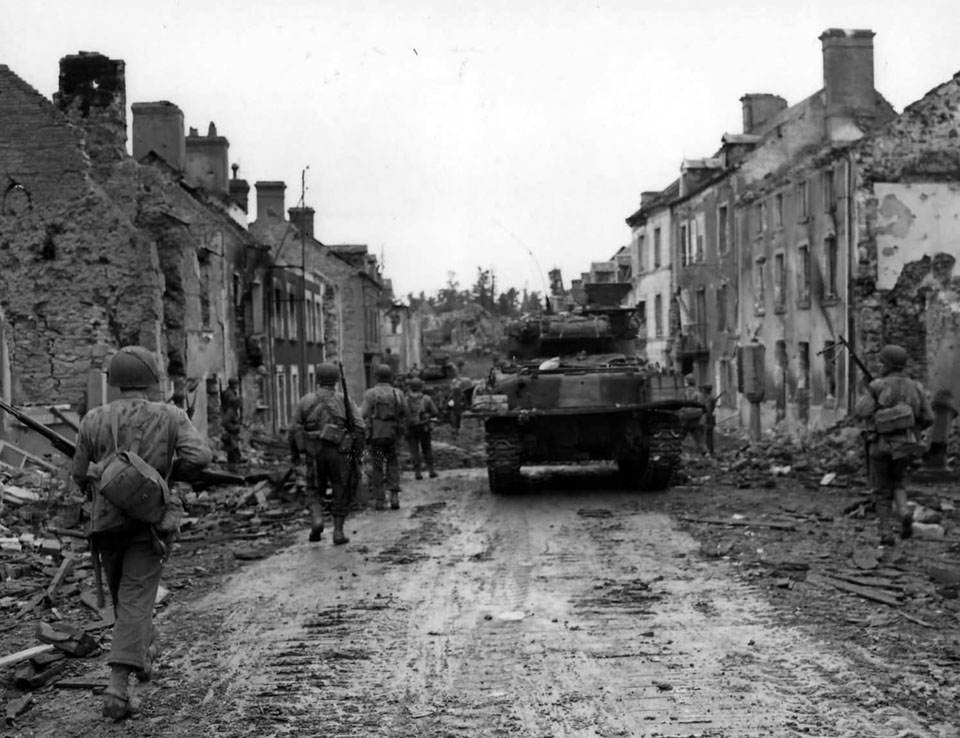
(895,414)
(385,421)
(132,485)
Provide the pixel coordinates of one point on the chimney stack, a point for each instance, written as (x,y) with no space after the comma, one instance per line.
(760,108)
(93,94)
(239,189)
(207,160)
(302,219)
(158,127)
(270,201)
(847,81)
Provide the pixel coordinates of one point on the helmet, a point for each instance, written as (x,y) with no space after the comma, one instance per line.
(893,357)
(133,367)
(327,375)
(383,373)
(690,379)
(416,384)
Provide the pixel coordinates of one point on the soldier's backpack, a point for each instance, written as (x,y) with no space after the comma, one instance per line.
(895,414)
(132,485)
(386,421)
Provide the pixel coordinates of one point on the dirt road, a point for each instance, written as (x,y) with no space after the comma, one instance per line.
(558,613)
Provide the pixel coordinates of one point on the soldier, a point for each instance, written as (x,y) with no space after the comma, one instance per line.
(384,411)
(894,409)
(231,407)
(421,412)
(131,552)
(692,418)
(319,429)
(710,418)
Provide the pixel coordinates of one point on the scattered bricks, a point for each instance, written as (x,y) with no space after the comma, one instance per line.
(50,547)
(30,675)
(67,638)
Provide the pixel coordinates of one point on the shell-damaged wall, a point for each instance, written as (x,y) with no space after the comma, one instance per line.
(908,197)
(77,279)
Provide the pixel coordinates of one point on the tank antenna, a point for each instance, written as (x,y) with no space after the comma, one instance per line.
(546,289)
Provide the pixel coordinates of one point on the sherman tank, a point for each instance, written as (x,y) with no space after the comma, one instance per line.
(574,390)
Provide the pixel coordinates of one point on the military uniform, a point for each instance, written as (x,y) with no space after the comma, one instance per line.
(421,411)
(692,419)
(385,412)
(894,409)
(231,408)
(132,552)
(320,431)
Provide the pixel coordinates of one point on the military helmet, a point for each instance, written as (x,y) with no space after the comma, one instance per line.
(383,372)
(416,384)
(133,367)
(233,382)
(893,357)
(327,374)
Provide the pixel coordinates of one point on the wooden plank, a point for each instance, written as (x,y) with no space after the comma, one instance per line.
(16,658)
(743,523)
(867,593)
(66,567)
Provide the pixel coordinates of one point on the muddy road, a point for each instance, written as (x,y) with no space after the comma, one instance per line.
(557,613)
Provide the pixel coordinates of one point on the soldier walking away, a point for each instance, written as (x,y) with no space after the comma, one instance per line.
(421,413)
(692,419)
(385,411)
(894,409)
(130,550)
(232,408)
(710,418)
(320,431)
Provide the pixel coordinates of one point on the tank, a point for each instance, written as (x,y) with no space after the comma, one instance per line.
(574,390)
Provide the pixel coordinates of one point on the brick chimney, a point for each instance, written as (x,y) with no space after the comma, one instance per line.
(302,219)
(847,81)
(207,162)
(158,127)
(760,108)
(92,94)
(270,200)
(239,189)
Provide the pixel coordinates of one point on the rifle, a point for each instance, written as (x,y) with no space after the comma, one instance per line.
(353,470)
(62,444)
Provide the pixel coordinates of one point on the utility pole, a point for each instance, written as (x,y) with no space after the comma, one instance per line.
(302,337)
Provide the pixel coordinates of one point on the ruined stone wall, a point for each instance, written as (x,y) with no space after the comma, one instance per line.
(908,219)
(77,281)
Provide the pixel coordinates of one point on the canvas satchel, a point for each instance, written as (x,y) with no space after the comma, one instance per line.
(132,485)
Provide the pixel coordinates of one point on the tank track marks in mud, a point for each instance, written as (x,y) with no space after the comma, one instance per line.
(663,453)
(503,461)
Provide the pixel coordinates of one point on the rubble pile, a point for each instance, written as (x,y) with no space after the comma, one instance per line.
(831,457)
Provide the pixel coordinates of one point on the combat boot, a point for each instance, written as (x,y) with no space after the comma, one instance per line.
(433,474)
(903,512)
(417,474)
(339,537)
(118,702)
(316,522)
(395,499)
(883,524)
(380,504)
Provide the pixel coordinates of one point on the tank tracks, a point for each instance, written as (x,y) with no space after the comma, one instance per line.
(503,460)
(663,452)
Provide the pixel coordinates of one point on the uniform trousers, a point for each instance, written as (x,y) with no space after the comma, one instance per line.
(385,470)
(131,566)
(326,464)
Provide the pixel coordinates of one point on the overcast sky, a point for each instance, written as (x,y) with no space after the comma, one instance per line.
(449,135)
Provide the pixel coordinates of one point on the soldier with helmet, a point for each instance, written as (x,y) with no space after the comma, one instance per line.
(385,411)
(421,412)
(692,419)
(319,430)
(894,409)
(131,552)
